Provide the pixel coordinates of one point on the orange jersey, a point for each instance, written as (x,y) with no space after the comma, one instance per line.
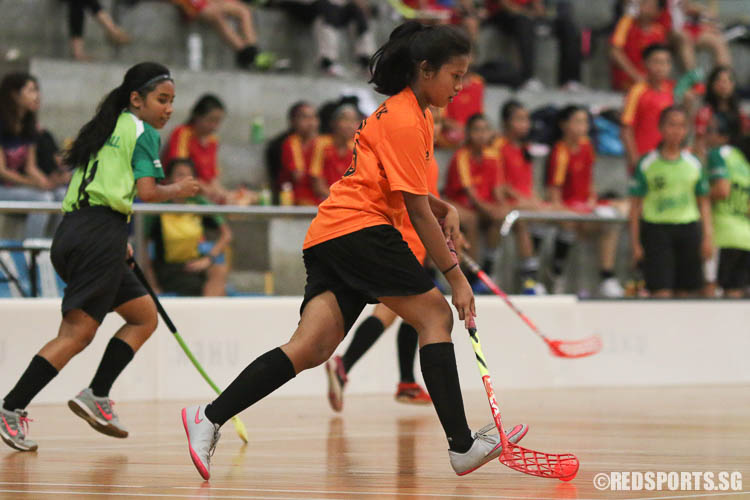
(408,233)
(392,150)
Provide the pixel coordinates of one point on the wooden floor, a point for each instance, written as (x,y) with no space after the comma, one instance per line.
(377,448)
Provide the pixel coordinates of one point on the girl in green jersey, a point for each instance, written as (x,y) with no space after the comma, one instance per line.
(670,214)
(115,156)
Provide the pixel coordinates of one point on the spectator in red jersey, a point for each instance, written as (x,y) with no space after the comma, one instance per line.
(196,139)
(468,102)
(721,96)
(632,35)
(686,25)
(518,19)
(475,186)
(302,152)
(337,149)
(515,162)
(570,186)
(218,14)
(644,103)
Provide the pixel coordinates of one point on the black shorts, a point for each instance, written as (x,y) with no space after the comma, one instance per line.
(88,253)
(734,268)
(360,267)
(672,256)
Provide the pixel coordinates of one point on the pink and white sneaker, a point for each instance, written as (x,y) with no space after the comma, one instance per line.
(202,436)
(336,382)
(486,447)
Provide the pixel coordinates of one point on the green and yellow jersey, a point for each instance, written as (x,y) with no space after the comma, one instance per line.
(130,153)
(669,188)
(730,216)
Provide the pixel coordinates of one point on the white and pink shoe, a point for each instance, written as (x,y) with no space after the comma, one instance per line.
(202,437)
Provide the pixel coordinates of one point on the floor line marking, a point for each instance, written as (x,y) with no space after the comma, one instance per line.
(74,485)
(152,495)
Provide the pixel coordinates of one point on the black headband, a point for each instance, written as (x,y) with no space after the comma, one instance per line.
(157,79)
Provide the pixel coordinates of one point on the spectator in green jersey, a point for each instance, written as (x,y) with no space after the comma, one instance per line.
(670,213)
(729,175)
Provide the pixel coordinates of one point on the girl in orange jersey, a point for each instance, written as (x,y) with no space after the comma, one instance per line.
(370,330)
(354,254)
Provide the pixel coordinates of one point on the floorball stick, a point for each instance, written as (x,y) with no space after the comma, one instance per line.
(562,466)
(561,348)
(238,425)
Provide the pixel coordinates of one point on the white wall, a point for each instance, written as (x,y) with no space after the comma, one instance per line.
(645,343)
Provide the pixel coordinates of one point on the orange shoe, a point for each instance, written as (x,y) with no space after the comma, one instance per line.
(412,393)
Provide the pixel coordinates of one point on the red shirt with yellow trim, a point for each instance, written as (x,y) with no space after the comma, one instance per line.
(481,173)
(516,166)
(632,38)
(335,162)
(468,102)
(303,158)
(643,106)
(572,170)
(183,143)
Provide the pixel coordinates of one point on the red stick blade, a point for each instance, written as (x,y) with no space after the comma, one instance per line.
(536,463)
(576,348)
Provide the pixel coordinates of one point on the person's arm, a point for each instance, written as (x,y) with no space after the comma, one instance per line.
(634,224)
(148,271)
(554,194)
(702,194)
(720,189)
(151,192)
(10,175)
(512,7)
(718,176)
(707,246)
(621,60)
(36,176)
(631,149)
(483,207)
(632,101)
(638,190)
(206,261)
(320,187)
(422,212)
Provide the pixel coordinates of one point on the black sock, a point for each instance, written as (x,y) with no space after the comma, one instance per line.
(37,375)
(406,341)
(259,379)
(605,274)
(116,357)
(246,55)
(441,378)
(562,248)
(366,335)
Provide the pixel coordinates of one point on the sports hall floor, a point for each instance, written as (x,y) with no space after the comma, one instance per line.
(377,448)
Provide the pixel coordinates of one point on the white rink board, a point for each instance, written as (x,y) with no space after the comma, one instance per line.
(646,343)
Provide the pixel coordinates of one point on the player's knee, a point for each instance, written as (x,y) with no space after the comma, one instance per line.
(446,317)
(80,338)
